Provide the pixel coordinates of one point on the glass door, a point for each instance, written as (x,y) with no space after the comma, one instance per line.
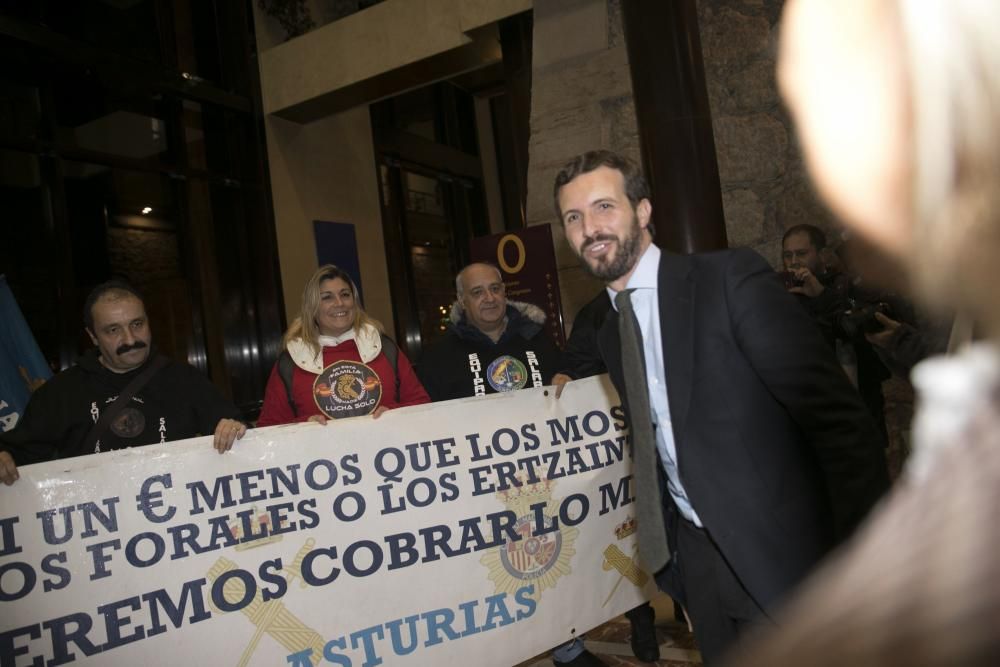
(428,219)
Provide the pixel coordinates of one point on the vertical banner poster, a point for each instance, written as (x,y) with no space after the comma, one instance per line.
(22,366)
(527,260)
(336,243)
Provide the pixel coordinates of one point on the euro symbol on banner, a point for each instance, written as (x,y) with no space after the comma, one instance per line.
(272,618)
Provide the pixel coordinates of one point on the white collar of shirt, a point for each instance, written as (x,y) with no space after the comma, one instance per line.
(310,359)
(646,307)
(646,273)
(331,341)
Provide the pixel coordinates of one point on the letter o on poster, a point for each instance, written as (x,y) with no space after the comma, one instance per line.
(521,254)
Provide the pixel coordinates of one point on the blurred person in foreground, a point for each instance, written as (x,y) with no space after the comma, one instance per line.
(337,362)
(898,110)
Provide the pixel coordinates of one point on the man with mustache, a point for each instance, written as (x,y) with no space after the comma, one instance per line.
(756,455)
(174,402)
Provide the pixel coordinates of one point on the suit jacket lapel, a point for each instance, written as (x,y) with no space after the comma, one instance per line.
(676,294)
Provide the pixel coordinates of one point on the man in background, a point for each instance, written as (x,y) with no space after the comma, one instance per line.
(492,346)
(119,395)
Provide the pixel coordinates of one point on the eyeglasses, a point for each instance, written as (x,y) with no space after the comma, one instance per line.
(496,289)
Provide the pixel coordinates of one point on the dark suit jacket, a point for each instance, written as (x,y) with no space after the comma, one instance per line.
(777,453)
(581,358)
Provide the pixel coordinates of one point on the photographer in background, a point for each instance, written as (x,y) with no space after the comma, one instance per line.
(841,313)
(901,345)
(901,336)
(821,292)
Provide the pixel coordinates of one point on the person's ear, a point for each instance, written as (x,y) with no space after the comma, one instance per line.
(644,211)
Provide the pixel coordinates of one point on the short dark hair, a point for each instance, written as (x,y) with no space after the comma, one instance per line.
(816,235)
(116,289)
(636,188)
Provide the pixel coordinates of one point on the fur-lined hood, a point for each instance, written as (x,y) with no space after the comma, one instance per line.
(524,319)
(368,340)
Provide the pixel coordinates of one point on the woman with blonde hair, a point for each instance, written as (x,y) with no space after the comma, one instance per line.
(337,362)
(897,104)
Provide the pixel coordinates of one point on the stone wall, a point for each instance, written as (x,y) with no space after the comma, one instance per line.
(764,186)
(582,99)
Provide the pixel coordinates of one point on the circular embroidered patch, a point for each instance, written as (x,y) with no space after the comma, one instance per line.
(347,389)
(129,423)
(507,373)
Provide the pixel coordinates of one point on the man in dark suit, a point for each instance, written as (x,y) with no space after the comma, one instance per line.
(581,358)
(764,455)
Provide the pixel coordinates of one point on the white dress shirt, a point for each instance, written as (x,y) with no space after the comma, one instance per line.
(646,304)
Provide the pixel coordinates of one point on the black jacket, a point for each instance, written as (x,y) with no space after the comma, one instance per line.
(581,358)
(178,402)
(467,363)
(778,455)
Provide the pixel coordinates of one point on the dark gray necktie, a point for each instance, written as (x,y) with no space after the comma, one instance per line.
(653,550)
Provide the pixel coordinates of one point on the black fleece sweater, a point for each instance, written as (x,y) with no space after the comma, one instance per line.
(467,363)
(177,402)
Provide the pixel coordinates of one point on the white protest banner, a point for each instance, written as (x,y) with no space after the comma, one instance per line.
(491,528)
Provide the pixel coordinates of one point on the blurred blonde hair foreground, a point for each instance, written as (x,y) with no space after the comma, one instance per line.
(952,59)
(919,585)
(304,326)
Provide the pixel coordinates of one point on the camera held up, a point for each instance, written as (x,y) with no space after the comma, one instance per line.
(791,280)
(860,319)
